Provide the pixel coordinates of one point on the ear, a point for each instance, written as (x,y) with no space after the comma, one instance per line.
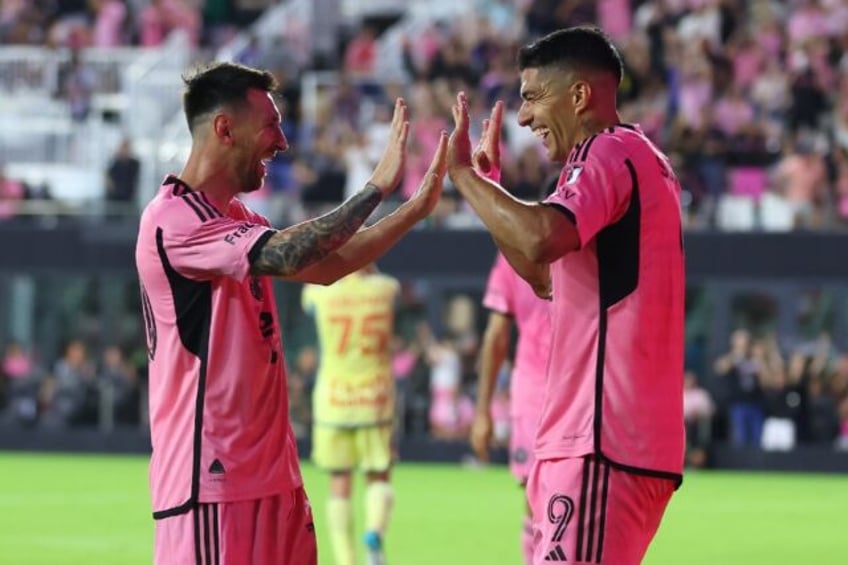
(222,126)
(581,94)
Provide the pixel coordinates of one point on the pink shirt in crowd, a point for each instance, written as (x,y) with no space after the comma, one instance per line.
(218,400)
(615,379)
(509,294)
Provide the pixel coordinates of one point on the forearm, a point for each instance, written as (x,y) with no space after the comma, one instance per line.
(492,355)
(291,250)
(366,246)
(516,226)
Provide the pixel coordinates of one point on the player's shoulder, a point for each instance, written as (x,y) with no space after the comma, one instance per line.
(610,145)
(177,207)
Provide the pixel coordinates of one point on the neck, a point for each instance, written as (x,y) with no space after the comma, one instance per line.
(207,172)
(595,122)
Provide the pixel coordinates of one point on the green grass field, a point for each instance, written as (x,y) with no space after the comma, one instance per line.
(93,510)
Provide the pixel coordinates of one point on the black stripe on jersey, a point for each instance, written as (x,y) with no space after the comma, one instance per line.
(618,250)
(201,199)
(193,308)
(618,276)
(180,187)
(195,207)
(581,519)
(589,142)
(216,540)
(603,522)
(596,463)
(207,541)
(575,151)
(175,511)
(198,557)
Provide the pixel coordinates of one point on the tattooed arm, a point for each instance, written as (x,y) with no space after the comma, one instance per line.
(291,250)
(372,242)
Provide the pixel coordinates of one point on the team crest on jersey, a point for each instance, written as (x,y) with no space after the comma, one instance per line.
(573,173)
(256,288)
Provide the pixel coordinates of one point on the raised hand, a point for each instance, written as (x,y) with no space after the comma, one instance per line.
(389,169)
(430,189)
(459,145)
(487,155)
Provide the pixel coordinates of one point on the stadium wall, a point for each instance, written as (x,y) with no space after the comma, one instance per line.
(98,247)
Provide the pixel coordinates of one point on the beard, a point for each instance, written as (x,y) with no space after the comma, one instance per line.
(253,178)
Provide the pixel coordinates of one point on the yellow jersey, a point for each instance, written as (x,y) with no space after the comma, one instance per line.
(355,322)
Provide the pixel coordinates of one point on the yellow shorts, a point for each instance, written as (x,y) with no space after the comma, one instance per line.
(345,449)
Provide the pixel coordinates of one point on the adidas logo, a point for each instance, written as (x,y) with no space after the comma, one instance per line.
(556,554)
(217,468)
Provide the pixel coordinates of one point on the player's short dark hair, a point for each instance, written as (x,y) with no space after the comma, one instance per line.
(221,84)
(581,47)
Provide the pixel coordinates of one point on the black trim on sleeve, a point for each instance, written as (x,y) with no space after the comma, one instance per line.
(257,246)
(563,210)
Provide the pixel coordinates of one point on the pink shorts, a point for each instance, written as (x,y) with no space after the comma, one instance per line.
(522,434)
(276,530)
(585,511)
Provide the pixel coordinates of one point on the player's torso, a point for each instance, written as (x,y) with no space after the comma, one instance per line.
(616,362)
(532,316)
(355,322)
(218,399)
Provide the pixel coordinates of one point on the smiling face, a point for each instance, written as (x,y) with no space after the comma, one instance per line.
(257,137)
(551,110)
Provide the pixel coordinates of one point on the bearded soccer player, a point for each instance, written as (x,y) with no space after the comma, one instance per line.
(607,249)
(224,474)
(353,403)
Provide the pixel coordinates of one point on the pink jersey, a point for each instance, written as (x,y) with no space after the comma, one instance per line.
(218,400)
(615,382)
(508,293)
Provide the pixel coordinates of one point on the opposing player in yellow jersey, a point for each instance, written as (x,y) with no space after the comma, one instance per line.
(353,402)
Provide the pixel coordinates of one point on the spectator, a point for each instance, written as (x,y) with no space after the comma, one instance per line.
(122,178)
(698,409)
(742,369)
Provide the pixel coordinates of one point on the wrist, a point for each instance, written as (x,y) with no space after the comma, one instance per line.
(461,173)
(372,186)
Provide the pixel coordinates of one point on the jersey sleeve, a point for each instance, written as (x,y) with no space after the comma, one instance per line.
(220,246)
(499,295)
(595,192)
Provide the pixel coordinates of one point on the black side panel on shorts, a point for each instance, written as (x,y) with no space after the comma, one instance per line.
(193,307)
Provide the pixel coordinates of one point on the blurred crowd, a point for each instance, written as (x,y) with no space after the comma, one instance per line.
(764,392)
(750,99)
(117,23)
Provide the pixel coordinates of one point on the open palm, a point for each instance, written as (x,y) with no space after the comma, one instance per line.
(389,169)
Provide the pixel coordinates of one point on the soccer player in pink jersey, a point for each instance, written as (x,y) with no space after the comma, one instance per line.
(607,248)
(510,301)
(224,474)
